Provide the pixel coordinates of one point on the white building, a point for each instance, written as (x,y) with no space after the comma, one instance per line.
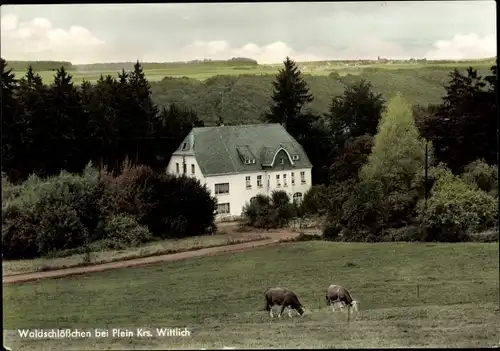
(238,162)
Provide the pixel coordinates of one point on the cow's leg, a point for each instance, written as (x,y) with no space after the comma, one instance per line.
(281,311)
(289,312)
(271,312)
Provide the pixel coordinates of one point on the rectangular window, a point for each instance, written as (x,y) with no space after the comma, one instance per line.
(223,208)
(278,183)
(177,167)
(293,178)
(259,181)
(184,168)
(302,177)
(247,182)
(282,161)
(222,188)
(295,157)
(284,180)
(192,169)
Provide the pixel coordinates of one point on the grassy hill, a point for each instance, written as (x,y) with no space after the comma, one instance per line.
(220,299)
(239,90)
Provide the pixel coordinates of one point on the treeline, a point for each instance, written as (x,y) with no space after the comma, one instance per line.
(123,199)
(383,167)
(41,65)
(241,99)
(47,128)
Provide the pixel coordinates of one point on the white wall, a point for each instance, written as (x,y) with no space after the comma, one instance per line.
(190,160)
(239,195)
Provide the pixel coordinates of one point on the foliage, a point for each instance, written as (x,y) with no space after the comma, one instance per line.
(350,159)
(269,212)
(58,213)
(483,175)
(456,209)
(364,214)
(357,112)
(463,127)
(398,154)
(168,214)
(290,94)
(122,231)
(67,212)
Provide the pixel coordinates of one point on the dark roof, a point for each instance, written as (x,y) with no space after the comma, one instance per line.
(223,149)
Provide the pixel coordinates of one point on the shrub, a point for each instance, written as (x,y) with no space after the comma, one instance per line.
(175,206)
(57,213)
(124,231)
(315,200)
(456,209)
(331,231)
(365,211)
(269,212)
(483,175)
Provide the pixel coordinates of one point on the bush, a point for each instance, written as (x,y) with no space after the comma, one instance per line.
(269,212)
(315,200)
(175,206)
(456,209)
(410,233)
(365,212)
(483,175)
(124,231)
(55,214)
(331,231)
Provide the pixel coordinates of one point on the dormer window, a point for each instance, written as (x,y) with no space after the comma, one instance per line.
(184,146)
(295,157)
(249,161)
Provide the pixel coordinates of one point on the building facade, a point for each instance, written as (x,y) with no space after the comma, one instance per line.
(238,162)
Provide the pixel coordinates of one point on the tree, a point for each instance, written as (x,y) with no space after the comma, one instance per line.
(290,95)
(397,162)
(464,127)
(351,158)
(398,153)
(356,113)
(65,126)
(10,128)
(29,157)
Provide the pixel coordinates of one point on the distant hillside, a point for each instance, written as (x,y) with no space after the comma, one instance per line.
(243,98)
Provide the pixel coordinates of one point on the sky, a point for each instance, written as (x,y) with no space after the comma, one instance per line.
(266,32)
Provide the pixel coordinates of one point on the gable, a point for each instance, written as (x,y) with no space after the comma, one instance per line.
(244,148)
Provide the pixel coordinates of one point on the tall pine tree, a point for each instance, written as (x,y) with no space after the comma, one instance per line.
(290,95)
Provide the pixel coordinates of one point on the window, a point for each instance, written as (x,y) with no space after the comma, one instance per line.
(177,167)
(282,161)
(184,168)
(293,178)
(278,184)
(247,182)
(192,169)
(302,177)
(249,161)
(259,181)
(295,157)
(284,180)
(223,208)
(184,146)
(297,198)
(222,188)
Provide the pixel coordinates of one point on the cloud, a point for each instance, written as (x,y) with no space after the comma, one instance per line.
(469,46)
(39,40)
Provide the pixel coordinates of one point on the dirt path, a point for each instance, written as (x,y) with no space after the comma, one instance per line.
(28,277)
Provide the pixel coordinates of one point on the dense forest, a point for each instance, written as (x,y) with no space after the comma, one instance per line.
(242,99)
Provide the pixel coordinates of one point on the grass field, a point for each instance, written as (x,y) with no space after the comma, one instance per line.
(151,249)
(219,299)
(202,72)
